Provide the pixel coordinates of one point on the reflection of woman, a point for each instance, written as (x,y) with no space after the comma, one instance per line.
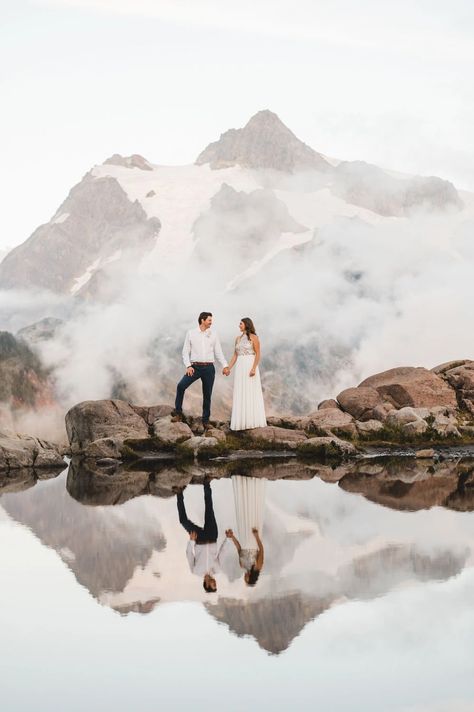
(248,409)
(249,499)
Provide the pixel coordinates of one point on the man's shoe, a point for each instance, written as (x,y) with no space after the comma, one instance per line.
(177,417)
(207,426)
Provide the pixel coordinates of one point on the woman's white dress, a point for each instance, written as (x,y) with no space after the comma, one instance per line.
(249,500)
(248,408)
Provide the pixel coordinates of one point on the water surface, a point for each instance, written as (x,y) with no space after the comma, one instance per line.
(365,600)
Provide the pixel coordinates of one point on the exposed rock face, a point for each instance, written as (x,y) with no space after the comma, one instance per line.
(19,451)
(264,143)
(24,383)
(246,225)
(89,421)
(42,330)
(370,187)
(133,161)
(461,377)
(411,386)
(96,220)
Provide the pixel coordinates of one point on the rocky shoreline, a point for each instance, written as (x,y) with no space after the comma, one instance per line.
(423,411)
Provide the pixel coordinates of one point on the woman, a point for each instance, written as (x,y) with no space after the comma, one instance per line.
(248,409)
(249,500)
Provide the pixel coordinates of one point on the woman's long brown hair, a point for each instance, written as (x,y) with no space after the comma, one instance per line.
(249,327)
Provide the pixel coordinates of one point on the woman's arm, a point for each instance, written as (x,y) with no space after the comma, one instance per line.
(260,552)
(234,357)
(256,345)
(230,535)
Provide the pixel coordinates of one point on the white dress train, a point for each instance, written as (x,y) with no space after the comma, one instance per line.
(249,500)
(248,408)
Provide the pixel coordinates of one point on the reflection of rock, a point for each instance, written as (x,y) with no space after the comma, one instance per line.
(17,480)
(462,498)
(273,622)
(408,485)
(101,545)
(90,484)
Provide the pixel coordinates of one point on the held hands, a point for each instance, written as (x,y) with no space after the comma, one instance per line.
(193,536)
(255,532)
(226,371)
(190,371)
(252,373)
(229,533)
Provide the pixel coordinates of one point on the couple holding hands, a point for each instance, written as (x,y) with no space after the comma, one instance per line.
(201,348)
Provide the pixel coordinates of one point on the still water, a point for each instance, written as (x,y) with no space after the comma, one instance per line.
(364,600)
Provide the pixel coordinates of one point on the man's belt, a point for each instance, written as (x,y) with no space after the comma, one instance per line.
(202,363)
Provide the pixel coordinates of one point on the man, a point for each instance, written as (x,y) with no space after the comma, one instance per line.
(201,347)
(201,552)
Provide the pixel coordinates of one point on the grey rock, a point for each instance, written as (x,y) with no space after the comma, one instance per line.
(92,420)
(171,433)
(359,402)
(197,443)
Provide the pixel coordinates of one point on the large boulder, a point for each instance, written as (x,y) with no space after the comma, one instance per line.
(17,450)
(93,420)
(150,413)
(411,386)
(360,402)
(198,443)
(171,433)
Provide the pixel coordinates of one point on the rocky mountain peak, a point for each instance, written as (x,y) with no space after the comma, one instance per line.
(263,143)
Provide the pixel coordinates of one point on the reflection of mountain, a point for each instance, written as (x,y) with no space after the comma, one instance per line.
(413,486)
(273,622)
(321,547)
(101,545)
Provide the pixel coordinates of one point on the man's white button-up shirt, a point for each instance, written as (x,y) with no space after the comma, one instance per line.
(202,347)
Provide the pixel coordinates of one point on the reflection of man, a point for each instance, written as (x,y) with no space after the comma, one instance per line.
(202,554)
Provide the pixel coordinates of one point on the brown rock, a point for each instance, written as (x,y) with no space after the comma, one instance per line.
(411,386)
(369,426)
(429,453)
(278,436)
(331,420)
(359,402)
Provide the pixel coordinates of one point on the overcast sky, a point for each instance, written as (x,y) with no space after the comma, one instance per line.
(390,83)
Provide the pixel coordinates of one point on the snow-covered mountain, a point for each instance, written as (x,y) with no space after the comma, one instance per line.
(254,192)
